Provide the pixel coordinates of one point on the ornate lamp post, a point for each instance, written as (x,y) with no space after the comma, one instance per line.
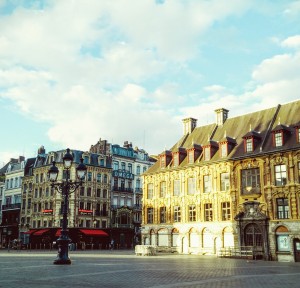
(66,187)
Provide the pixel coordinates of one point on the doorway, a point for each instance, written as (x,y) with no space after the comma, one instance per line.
(297,249)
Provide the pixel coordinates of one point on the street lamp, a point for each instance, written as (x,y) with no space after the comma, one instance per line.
(65,187)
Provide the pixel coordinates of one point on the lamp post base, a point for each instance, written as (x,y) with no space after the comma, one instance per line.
(63,251)
(60,261)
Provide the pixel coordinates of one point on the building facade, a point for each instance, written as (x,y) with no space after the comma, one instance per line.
(89,205)
(128,164)
(11,201)
(231,184)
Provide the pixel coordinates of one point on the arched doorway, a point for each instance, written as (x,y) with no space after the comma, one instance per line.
(174,238)
(297,249)
(252,226)
(152,238)
(162,235)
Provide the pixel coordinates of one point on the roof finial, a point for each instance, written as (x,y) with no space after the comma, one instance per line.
(193,142)
(250,128)
(279,120)
(225,134)
(208,138)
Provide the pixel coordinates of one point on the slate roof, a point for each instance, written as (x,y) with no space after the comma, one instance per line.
(261,123)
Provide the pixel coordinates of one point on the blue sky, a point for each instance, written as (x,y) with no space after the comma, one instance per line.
(72,72)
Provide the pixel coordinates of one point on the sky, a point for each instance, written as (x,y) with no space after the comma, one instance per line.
(75,71)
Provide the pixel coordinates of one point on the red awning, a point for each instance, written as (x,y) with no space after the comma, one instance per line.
(93,232)
(30,231)
(40,232)
(57,234)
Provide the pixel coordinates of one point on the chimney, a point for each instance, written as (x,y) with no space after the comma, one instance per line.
(21,158)
(221,115)
(189,124)
(41,150)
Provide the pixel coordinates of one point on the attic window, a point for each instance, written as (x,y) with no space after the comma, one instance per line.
(278,139)
(207,153)
(224,150)
(162,162)
(251,140)
(191,157)
(298,134)
(249,145)
(176,159)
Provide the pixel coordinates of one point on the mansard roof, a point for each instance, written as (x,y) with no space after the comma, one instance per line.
(262,124)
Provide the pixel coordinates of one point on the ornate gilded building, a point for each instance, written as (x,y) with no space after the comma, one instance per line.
(89,205)
(232,184)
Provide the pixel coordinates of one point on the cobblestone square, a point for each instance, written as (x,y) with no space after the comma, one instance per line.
(125,269)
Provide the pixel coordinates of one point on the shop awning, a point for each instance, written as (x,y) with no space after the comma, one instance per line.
(40,232)
(57,234)
(30,231)
(93,232)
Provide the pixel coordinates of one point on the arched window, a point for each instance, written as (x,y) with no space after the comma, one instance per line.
(282,239)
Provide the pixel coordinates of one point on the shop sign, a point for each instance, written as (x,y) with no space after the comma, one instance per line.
(85,212)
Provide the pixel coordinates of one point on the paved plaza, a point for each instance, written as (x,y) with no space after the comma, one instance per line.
(124,269)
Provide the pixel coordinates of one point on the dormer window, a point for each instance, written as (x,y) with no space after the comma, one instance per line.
(249,145)
(297,133)
(165,159)
(224,152)
(193,153)
(86,159)
(176,160)
(280,134)
(163,162)
(251,140)
(191,156)
(206,153)
(278,139)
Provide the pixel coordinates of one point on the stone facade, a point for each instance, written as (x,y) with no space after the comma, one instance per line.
(231,184)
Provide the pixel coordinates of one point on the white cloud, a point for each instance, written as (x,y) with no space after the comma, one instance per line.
(292,42)
(84,68)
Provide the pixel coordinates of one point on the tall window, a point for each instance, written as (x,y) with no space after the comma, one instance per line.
(191,156)
(163,189)
(224,150)
(162,214)
(177,214)
(280,175)
(282,208)
(123,165)
(89,192)
(207,153)
(249,145)
(191,186)
(192,213)
(224,181)
(116,165)
(149,215)
(150,191)
(176,191)
(130,168)
(138,170)
(208,212)
(98,177)
(207,183)
(250,181)
(89,176)
(278,139)
(176,159)
(226,214)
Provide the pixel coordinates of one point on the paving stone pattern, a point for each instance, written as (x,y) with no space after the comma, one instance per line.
(123,269)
